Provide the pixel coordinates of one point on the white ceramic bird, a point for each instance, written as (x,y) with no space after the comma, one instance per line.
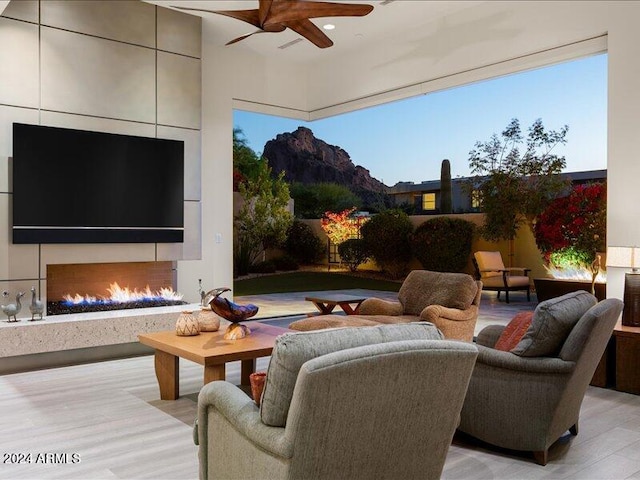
(37,306)
(13,309)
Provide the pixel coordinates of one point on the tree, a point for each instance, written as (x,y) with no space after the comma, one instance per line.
(515,186)
(263,219)
(311,201)
(246,162)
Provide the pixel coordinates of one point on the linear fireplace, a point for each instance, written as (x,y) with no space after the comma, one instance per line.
(77,288)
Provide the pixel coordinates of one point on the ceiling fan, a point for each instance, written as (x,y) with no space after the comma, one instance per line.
(278,15)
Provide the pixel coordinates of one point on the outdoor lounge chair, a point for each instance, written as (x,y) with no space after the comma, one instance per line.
(495,276)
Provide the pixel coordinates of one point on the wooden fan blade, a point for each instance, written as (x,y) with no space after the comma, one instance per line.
(249,16)
(242,37)
(263,10)
(287,11)
(308,30)
(268,29)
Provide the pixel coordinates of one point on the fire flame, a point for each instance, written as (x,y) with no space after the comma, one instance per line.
(117,294)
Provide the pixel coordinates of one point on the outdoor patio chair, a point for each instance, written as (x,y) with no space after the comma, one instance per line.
(496,277)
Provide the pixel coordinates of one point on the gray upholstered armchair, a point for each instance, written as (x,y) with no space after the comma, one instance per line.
(526,398)
(375,402)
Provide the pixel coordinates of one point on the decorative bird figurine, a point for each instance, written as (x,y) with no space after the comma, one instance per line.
(13,309)
(230,311)
(36,307)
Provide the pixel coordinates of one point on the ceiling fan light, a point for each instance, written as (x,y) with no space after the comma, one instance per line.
(329,26)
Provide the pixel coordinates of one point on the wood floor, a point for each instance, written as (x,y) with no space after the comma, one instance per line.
(109,417)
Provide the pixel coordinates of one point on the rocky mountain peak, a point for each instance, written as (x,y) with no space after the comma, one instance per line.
(307,159)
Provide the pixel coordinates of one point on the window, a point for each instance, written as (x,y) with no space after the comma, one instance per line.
(475,199)
(428,201)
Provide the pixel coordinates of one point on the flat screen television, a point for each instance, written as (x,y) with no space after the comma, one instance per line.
(76,186)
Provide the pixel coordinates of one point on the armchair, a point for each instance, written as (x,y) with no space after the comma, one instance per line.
(448,300)
(526,399)
(495,276)
(353,408)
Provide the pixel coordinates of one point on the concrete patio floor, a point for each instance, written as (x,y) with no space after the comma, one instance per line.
(492,310)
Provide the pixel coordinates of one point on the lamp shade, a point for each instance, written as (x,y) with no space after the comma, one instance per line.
(628,257)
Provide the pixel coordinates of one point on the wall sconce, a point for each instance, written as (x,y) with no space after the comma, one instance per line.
(628,257)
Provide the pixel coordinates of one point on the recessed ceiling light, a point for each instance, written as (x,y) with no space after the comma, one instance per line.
(329,26)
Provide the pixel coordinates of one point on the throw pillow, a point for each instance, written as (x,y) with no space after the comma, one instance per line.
(514,331)
(292,350)
(552,322)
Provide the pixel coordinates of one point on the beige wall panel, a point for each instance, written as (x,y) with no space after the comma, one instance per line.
(16,261)
(18,63)
(122,20)
(191,138)
(26,10)
(97,77)
(8,115)
(191,249)
(179,84)
(80,122)
(96,253)
(179,32)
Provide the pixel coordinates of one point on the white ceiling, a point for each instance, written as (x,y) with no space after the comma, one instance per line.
(387,23)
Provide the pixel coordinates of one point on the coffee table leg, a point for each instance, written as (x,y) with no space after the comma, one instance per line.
(168,374)
(346,308)
(214,372)
(325,309)
(247,367)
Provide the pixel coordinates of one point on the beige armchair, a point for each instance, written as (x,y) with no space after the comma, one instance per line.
(527,398)
(448,300)
(351,403)
(496,277)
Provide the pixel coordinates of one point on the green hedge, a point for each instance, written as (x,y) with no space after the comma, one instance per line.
(443,244)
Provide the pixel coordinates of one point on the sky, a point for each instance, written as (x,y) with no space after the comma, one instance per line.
(407,140)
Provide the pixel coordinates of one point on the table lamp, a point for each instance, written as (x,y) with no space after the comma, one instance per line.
(628,257)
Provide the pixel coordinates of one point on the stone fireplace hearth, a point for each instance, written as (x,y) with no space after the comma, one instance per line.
(97,279)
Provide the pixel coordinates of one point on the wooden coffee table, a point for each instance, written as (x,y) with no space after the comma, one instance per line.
(326,303)
(209,349)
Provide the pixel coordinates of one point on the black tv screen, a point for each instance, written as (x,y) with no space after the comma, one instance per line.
(76,186)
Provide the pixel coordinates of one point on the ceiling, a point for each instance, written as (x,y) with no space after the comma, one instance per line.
(386,23)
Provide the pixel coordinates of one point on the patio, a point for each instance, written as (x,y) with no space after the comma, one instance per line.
(119,428)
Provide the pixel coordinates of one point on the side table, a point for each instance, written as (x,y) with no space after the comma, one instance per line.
(627,341)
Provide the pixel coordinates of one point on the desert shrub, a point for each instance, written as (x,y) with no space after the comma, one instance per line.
(443,244)
(268,266)
(285,263)
(386,238)
(302,244)
(353,252)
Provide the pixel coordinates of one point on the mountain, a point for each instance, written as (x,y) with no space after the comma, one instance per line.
(307,159)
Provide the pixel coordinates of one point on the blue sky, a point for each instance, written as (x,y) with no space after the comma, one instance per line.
(406,140)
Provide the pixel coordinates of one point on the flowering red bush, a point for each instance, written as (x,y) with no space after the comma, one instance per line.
(575,223)
(341,226)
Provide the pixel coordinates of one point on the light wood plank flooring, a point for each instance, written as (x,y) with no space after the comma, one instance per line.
(110,415)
